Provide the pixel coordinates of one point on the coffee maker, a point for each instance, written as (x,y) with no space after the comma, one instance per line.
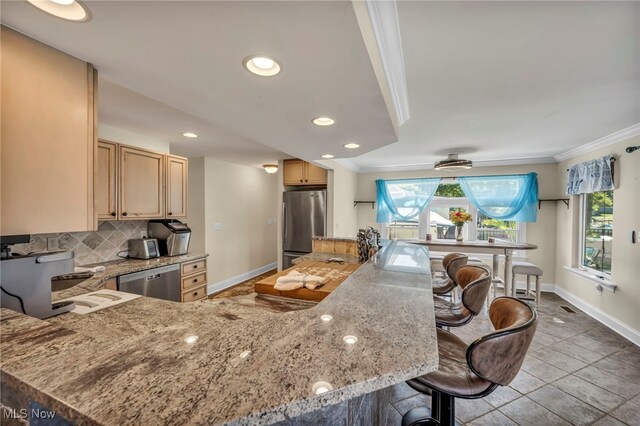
(25,280)
(173,236)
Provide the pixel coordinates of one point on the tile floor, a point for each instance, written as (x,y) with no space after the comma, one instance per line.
(577,371)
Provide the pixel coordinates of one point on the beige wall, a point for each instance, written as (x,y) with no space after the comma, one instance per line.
(624,304)
(196,211)
(243,199)
(126,137)
(541,232)
(342,218)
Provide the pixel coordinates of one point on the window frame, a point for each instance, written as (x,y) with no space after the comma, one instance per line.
(583,240)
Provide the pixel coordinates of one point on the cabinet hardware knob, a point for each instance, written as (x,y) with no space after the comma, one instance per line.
(195,266)
(170,213)
(113,214)
(306,180)
(195,281)
(300,180)
(195,293)
(124,213)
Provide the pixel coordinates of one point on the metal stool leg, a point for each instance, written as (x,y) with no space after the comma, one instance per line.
(538,289)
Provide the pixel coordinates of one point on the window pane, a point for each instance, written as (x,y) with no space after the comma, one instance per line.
(441,227)
(449,190)
(598,230)
(400,230)
(502,229)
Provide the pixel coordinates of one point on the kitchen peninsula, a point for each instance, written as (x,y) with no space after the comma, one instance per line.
(209,363)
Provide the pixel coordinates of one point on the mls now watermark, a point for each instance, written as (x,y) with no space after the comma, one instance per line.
(33,413)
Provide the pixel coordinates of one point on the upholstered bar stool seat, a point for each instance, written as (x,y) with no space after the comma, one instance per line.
(475,282)
(452,264)
(528,269)
(475,370)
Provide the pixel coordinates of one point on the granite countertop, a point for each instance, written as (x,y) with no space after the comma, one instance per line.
(131,364)
(323,257)
(116,268)
(345,239)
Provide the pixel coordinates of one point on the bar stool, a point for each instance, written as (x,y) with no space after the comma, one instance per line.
(528,269)
(475,282)
(452,264)
(474,371)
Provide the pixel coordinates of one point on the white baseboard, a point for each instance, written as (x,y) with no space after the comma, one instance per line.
(230,282)
(614,324)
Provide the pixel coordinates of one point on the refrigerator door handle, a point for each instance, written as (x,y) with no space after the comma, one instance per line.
(284,222)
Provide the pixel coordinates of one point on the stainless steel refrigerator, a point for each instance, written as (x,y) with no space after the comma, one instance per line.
(305,216)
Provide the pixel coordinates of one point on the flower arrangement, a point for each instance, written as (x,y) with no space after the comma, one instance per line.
(459,217)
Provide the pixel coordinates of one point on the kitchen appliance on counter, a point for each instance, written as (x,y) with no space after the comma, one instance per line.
(161,283)
(173,236)
(143,248)
(25,283)
(305,216)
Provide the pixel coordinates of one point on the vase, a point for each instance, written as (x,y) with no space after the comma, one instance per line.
(459,237)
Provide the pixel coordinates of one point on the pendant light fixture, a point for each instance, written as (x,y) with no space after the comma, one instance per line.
(453,163)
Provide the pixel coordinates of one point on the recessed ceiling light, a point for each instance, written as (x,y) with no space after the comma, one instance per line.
(70,10)
(262,65)
(189,135)
(351,145)
(323,121)
(327,156)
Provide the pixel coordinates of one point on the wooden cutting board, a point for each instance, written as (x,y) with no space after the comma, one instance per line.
(334,271)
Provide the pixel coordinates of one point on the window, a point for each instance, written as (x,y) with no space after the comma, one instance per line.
(597,231)
(435,220)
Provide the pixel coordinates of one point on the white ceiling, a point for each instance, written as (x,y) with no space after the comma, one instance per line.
(505,82)
(185,59)
(513,80)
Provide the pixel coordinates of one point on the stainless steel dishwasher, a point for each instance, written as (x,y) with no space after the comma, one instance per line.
(161,283)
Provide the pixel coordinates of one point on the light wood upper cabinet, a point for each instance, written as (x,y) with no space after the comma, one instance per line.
(177,175)
(298,172)
(315,175)
(48,138)
(293,172)
(106,181)
(141,184)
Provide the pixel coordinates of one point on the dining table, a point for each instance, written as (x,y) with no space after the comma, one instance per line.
(496,248)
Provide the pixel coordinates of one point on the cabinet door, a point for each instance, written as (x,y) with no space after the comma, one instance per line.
(141,184)
(48,138)
(106,172)
(177,175)
(293,172)
(315,175)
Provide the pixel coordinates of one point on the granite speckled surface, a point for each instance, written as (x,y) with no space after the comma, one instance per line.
(340,239)
(323,257)
(131,364)
(116,268)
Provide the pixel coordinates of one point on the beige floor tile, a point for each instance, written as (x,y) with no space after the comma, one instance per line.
(564,405)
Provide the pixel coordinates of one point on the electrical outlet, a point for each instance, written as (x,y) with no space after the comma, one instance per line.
(217,227)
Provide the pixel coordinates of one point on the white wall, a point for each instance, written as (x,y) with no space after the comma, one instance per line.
(623,305)
(541,232)
(342,218)
(242,199)
(126,137)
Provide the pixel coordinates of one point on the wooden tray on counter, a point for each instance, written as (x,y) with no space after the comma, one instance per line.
(336,272)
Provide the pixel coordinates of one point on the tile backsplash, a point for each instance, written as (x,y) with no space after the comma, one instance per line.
(89,247)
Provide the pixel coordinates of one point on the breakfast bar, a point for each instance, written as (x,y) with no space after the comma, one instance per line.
(151,361)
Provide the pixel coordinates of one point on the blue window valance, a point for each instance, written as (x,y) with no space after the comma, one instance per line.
(403,199)
(505,197)
(591,176)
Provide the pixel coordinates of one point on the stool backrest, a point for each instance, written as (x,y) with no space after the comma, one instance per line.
(498,356)
(452,264)
(475,282)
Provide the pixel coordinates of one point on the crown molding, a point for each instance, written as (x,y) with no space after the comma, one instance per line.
(615,137)
(348,164)
(476,164)
(384,24)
